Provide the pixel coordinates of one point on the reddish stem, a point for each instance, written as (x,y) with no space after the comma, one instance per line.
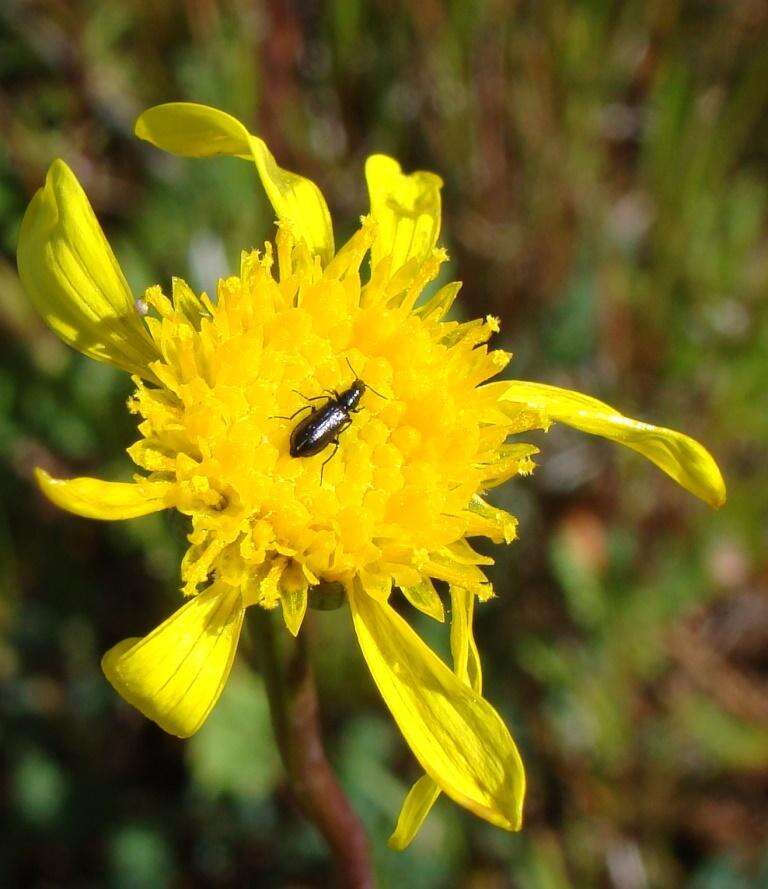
(296,721)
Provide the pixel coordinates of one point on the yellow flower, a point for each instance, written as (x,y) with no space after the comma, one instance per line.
(215,380)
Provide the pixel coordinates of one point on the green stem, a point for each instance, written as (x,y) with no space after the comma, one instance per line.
(295,718)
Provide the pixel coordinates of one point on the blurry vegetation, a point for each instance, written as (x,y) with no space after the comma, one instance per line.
(606,195)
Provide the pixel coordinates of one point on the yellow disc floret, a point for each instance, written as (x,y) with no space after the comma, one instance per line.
(397,500)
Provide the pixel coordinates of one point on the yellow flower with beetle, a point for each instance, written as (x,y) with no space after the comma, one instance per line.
(319,421)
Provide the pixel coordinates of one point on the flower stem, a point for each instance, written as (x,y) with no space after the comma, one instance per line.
(295,719)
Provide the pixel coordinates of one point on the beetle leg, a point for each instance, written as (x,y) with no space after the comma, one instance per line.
(306,407)
(308,397)
(327,459)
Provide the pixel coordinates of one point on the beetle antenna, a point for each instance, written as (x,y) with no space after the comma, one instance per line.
(367,385)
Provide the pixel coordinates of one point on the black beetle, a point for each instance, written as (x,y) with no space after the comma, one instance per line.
(324,424)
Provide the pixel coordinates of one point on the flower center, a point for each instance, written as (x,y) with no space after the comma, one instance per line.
(235,384)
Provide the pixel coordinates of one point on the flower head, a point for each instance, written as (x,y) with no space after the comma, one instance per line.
(397,486)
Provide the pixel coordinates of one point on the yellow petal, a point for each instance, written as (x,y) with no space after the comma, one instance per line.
(457,737)
(294,608)
(418,804)
(188,302)
(425,597)
(466,665)
(175,675)
(466,658)
(71,275)
(294,588)
(437,306)
(97,499)
(193,130)
(406,209)
(682,458)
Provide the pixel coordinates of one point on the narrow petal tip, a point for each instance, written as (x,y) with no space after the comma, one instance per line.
(685,460)
(93,498)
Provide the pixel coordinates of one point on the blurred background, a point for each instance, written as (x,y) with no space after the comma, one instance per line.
(606,195)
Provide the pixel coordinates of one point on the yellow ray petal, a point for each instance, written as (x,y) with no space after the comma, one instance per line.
(73,279)
(466,665)
(406,208)
(682,458)
(97,499)
(457,736)
(175,675)
(466,658)
(193,130)
(418,804)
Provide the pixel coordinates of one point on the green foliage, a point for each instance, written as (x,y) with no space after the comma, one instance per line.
(233,753)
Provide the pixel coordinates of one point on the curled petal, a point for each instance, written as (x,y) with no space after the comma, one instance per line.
(97,499)
(175,675)
(73,279)
(457,737)
(193,130)
(406,209)
(682,458)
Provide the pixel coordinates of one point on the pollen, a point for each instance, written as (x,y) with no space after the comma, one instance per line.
(395,502)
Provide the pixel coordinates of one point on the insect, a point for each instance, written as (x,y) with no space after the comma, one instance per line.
(323,425)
